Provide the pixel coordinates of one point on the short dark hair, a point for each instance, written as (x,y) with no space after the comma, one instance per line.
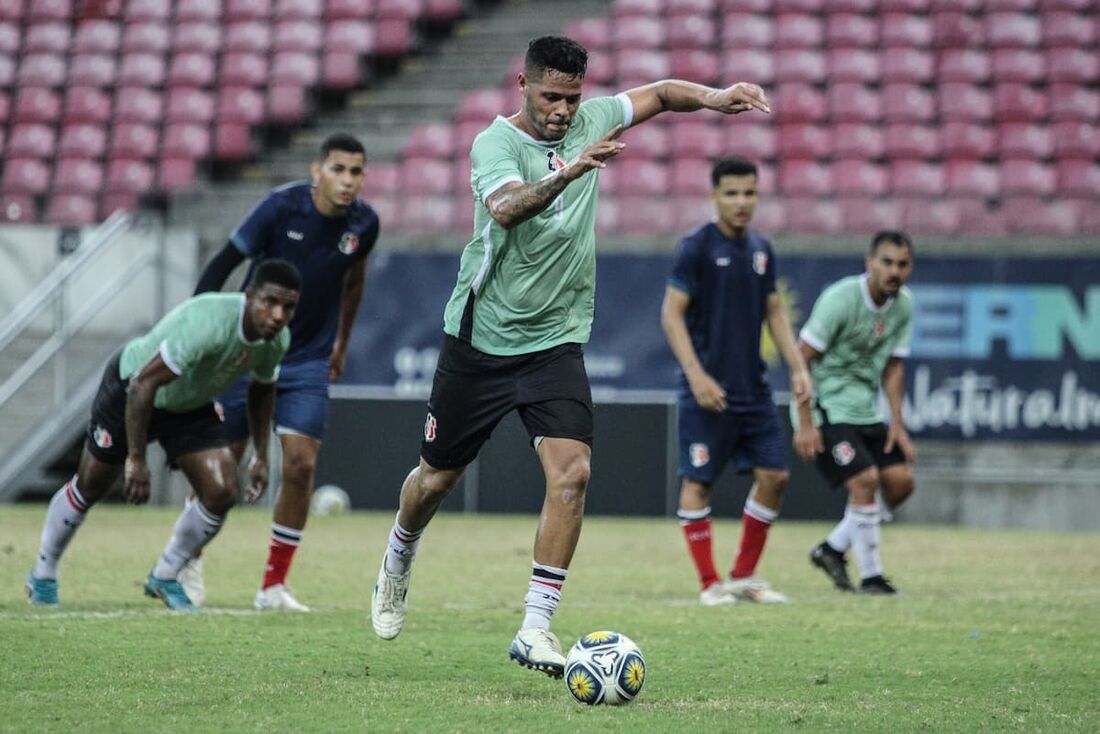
(733,165)
(280,272)
(343,142)
(893,236)
(559,53)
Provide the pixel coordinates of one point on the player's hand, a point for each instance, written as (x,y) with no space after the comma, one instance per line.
(802,387)
(741,97)
(897,435)
(708,393)
(337,361)
(135,485)
(808,443)
(257,479)
(595,155)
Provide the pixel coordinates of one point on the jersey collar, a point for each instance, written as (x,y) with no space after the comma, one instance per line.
(865,289)
(240,327)
(525,136)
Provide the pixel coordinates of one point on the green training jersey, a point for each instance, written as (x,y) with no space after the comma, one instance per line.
(533,286)
(202,341)
(856,338)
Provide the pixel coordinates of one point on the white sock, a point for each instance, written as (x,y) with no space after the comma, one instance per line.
(866,535)
(195,527)
(64,517)
(402,549)
(840,539)
(543,595)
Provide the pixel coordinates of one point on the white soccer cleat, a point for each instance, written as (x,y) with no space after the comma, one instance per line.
(539,650)
(278,598)
(754,590)
(191,579)
(716,595)
(389,603)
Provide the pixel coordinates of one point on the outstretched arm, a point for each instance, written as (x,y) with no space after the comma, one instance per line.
(674,95)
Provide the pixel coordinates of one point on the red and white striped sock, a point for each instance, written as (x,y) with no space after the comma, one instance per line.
(697,531)
(63,518)
(543,595)
(756,521)
(284,541)
(402,548)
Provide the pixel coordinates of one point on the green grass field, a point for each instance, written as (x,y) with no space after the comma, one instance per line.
(997,631)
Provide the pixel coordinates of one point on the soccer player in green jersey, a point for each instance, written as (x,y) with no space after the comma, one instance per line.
(519,313)
(161,386)
(855,340)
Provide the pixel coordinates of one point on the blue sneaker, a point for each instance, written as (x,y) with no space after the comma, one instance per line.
(170,592)
(41,592)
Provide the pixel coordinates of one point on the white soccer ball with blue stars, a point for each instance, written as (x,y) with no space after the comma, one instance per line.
(605,667)
(329,500)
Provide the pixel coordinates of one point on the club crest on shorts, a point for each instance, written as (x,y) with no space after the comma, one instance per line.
(349,243)
(429,428)
(759,262)
(843,453)
(102,437)
(699,454)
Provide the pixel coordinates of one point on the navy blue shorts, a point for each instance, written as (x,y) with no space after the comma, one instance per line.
(301,401)
(749,438)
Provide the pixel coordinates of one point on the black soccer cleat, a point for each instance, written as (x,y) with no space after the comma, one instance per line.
(833,563)
(877,585)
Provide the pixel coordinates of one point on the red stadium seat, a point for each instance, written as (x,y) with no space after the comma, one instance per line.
(1015,30)
(903,30)
(1019,103)
(972,178)
(77,176)
(198,9)
(42,70)
(140,11)
(849,6)
(912,141)
(134,176)
(626,8)
(1018,65)
(392,38)
(176,174)
(1019,176)
(968,140)
(134,140)
(804,178)
(859,178)
(799,103)
(384,178)
(112,201)
(1076,140)
(25,176)
(976,217)
(11,38)
(1023,140)
(645,215)
(922,216)
(770,217)
(798,30)
(482,106)
(189,104)
(592,33)
(94,70)
(348,9)
(745,30)
(7,71)
(813,216)
(248,36)
(746,6)
(82,139)
(1068,29)
(247,10)
(959,102)
(690,32)
(341,71)
(804,141)
(918,178)
(689,211)
(191,70)
(964,65)
(754,141)
(87,104)
(430,140)
(298,35)
(70,210)
(12,9)
(232,141)
(902,64)
(601,69)
(638,33)
(146,38)
(238,104)
(443,11)
(1028,215)
(426,176)
(303,69)
(16,208)
(287,104)
(1079,177)
(141,70)
(850,102)
(240,69)
(197,37)
(1076,65)
(853,65)
(185,140)
(956,29)
(904,6)
(851,30)
(799,65)
(867,215)
(693,139)
(31,140)
(640,66)
(351,36)
(460,178)
(301,9)
(907,103)
(465,132)
(36,104)
(693,7)
(47,38)
(1073,103)
(690,176)
(427,215)
(701,67)
(97,37)
(405,10)
(858,140)
(993,6)
(642,177)
(796,6)
(755,64)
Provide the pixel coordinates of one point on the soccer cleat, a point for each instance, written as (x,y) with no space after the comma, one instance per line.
(42,592)
(833,563)
(539,650)
(191,579)
(877,585)
(754,590)
(716,595)
(278,598)
(170,592)
(389,603)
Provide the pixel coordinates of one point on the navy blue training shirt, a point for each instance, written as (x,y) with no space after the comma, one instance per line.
(286,224)
(728,282)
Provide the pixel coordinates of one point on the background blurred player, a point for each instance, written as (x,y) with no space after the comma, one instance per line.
(519,313)
(722,290)
(161,386)
(856,337)
(327,232)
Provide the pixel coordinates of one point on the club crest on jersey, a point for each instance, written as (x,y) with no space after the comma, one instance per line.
(554,161)
(843,453)
(349,243)
(700,454)
(759,262)
(880,327)
(429,428)
(102,437)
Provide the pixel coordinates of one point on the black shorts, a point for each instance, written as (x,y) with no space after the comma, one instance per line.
(472,391)
(178,433)
(851,449)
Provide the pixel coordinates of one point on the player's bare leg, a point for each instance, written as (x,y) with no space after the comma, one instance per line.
(291,512)
(896,485)
(422,492)
(760,512)
(694,514)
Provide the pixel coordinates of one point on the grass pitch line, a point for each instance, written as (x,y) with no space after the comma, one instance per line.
(46,614)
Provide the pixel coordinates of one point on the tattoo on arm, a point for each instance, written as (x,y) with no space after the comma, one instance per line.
(514,204)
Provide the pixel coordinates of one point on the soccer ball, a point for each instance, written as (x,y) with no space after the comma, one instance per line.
(329,500)
(604,667)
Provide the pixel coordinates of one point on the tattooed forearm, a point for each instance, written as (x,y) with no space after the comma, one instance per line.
(515,203)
